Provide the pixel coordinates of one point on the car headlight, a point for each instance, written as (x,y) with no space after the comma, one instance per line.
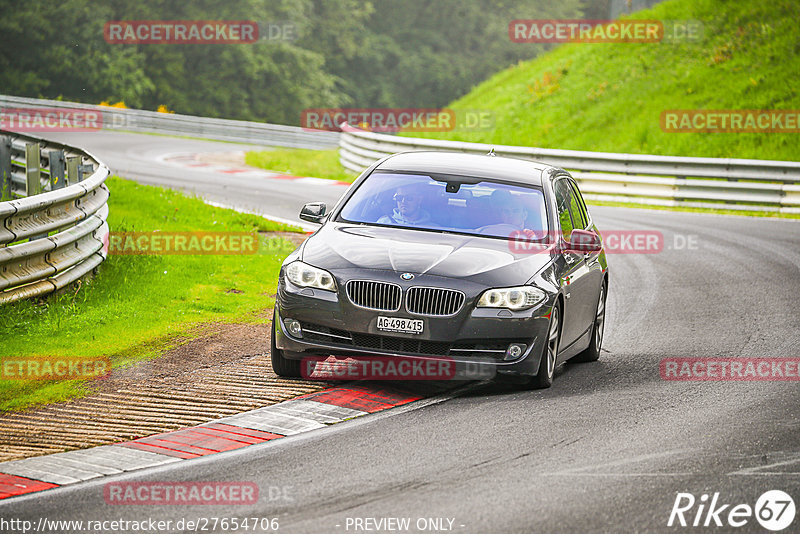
(305,275)
(513,298)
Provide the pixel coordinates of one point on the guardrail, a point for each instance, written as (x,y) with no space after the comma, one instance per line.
(738,184)
(136,120)
(53,228)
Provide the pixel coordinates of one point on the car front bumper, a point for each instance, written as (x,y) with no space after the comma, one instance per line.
(334,325)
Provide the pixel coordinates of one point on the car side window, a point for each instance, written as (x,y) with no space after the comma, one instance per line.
(577,207)
(563,194)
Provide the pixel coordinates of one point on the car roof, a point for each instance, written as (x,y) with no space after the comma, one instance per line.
(468,165)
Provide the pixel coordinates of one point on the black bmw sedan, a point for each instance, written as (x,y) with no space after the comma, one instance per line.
(481,260)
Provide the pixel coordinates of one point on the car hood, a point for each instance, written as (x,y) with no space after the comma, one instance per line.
(484,260)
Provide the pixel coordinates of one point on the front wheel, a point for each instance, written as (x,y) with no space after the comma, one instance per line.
(592,352)
(547,367)
(282,366)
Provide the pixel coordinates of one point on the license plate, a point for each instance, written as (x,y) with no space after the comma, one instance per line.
(399,324)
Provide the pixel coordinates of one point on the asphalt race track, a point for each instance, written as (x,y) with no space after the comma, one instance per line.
(606,449)
(142,158)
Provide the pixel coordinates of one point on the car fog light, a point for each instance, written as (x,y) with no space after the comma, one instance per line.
(293,327)
(514,351)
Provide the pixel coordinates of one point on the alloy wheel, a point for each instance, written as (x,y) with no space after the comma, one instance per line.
(552,341)
(600,319)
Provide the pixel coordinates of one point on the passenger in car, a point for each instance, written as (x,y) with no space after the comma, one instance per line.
(511,216)
(509,213)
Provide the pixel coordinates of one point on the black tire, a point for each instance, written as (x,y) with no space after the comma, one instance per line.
(547,367)
(592,352)
(282,366)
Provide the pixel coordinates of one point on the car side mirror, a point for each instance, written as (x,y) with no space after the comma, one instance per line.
(314,212)
(584,241)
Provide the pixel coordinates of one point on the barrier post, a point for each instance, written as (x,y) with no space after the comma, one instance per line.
(57,168)
(33,171)
(5,168)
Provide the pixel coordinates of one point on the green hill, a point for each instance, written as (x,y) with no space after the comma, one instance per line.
(609,97)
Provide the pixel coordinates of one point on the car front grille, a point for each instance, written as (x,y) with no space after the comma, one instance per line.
(374,295)
(434,301)
(326,335)
(398,344)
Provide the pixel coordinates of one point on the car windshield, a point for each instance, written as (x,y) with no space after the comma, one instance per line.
(464,205)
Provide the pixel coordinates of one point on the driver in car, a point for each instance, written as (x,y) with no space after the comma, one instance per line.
(408,210)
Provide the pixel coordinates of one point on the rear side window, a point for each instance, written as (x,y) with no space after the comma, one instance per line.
(563,194)
(577,208)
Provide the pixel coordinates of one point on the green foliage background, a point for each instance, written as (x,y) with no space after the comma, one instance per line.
(357,53)
(608,97)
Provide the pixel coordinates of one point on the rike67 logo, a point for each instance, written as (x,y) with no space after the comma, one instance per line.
(774,510)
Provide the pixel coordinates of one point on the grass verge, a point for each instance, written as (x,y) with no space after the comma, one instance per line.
(302,162)
(608,97)
(140,306)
